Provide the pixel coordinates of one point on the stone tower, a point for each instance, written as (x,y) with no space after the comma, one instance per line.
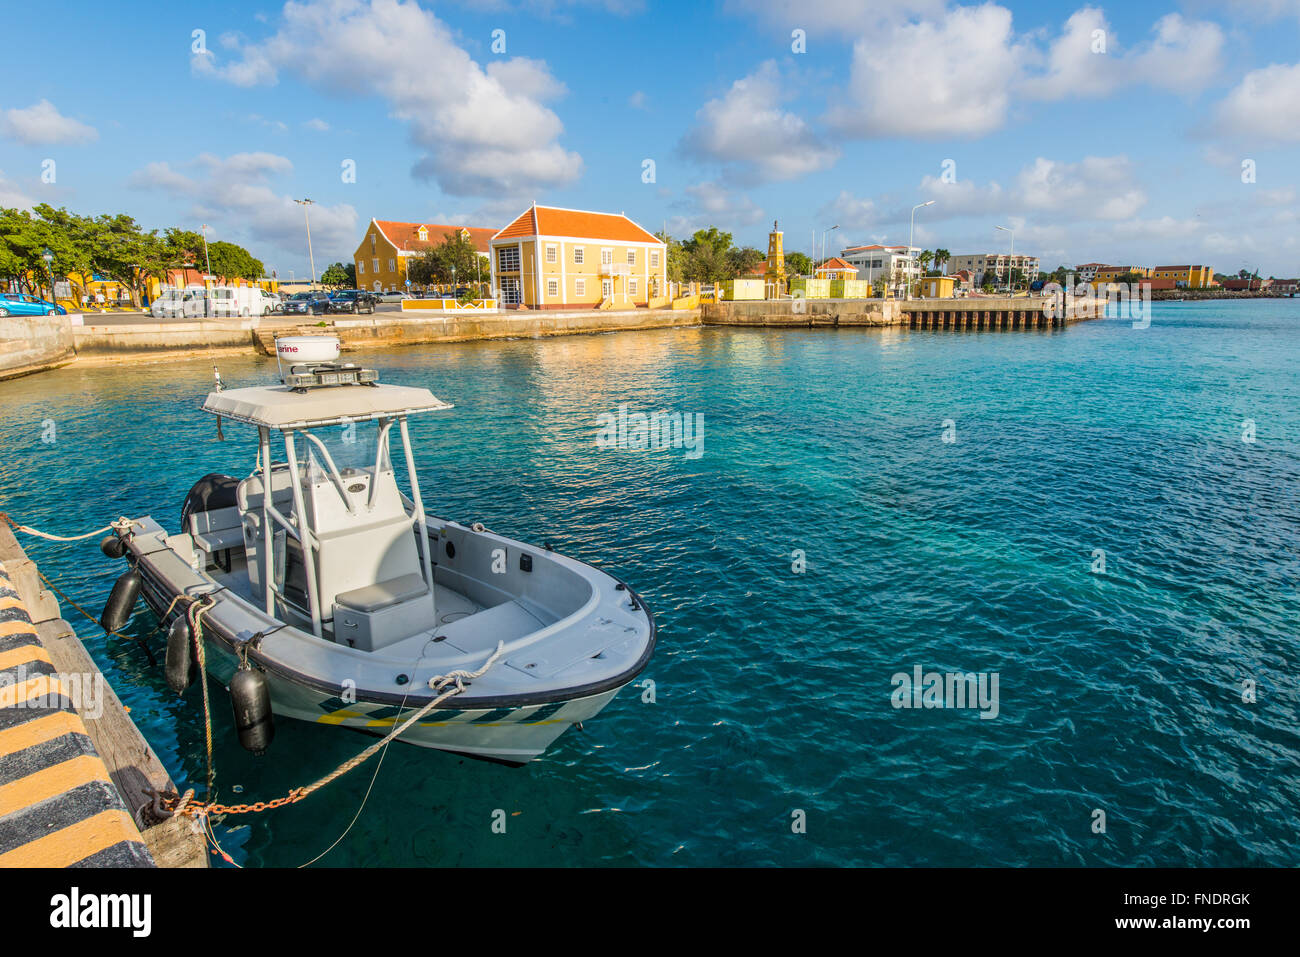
(774,275)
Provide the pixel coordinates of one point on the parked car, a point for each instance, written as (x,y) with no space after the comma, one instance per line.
(353,301)
(21,304)
(307,303)
(275,302)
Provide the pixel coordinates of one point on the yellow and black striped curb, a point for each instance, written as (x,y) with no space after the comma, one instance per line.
(58,806)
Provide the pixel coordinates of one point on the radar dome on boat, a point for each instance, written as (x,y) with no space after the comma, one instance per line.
(307,348)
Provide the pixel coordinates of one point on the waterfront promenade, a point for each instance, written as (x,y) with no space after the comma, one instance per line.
(25,349)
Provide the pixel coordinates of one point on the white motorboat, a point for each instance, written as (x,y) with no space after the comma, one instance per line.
(318,576)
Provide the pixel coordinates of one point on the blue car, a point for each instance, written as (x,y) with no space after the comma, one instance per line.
(21,304)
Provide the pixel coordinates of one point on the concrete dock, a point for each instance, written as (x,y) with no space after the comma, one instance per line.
(74,768)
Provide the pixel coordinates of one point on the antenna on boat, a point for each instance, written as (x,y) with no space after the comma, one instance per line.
(216,378)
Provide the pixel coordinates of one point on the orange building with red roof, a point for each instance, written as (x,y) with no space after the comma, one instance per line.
(555,258)
(388,246)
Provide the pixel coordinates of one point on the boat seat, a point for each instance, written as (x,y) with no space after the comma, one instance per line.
(217,530)
(383,594)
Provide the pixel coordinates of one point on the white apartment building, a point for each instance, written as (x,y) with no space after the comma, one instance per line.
(1087,272)
(895,263)
(994,266)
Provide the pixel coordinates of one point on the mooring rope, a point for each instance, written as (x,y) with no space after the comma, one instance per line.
(121,526)
(455,678)
(195,616)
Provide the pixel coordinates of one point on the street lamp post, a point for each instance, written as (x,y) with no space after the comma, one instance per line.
(1010,256)
(306,215)
(49,268)
(824,232)
(910,231)
(206,258)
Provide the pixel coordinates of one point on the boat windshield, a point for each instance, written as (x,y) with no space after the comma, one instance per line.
(352,448)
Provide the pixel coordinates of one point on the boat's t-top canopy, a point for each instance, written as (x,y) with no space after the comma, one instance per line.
(337,515)
(281,407)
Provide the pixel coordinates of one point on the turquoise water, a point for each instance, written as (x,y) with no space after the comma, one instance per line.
(1120,692)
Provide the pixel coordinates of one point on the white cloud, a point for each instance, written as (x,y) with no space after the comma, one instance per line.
(1097,187)
(1073,68)
(317,124)
(711,204)
(1183,56)
(747,129)
(929,79)
(1265,105)
(637,100)
(851,212)
(1086,60)
(235,193)
(41,124)
(834,17)
(12,195)
(485,130)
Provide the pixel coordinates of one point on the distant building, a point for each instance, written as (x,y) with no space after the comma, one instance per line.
(1087,272)
(387,248)
(554,258)
(1185,277)
(1288,287)
(1114,273)
(892,264)
(1246,285)
(836,268)
(994,267)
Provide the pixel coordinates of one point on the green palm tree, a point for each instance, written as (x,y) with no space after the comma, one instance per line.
(941,257)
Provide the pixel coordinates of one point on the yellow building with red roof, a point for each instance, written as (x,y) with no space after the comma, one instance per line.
(388,246)
(837,268)
(555,258)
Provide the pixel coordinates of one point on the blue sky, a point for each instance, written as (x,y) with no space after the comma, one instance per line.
(1113,133)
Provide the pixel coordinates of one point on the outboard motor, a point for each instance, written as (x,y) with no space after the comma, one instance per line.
(251,698)
(121,601)
(181,663)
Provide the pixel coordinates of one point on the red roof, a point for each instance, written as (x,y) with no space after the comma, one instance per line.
(407,235)
(836,263)
(855,249)
(580,224)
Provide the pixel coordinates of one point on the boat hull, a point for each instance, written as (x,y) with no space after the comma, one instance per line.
(512,735)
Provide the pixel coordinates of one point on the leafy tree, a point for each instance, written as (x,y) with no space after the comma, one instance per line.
(924,259)
(941,257)
(455,259)
(234,262)
(798,264)
(676,257)
(336,276)
(742,261)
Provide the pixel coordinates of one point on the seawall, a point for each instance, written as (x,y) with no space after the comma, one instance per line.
(34,343)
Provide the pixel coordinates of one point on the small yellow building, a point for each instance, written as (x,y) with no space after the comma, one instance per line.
(389,246)
(555,258)
(836,268)
(935,287)
(1185,277)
